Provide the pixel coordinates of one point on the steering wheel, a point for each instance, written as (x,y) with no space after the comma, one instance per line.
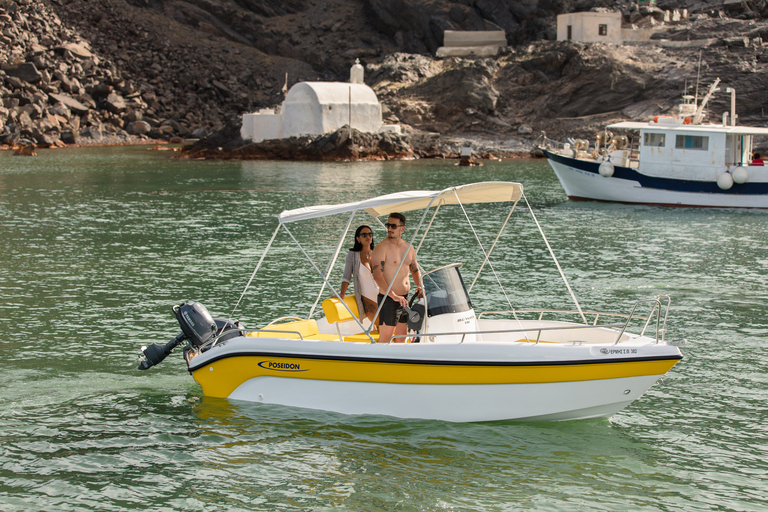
(415,314)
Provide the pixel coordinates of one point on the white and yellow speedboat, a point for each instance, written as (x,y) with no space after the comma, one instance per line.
(458,365)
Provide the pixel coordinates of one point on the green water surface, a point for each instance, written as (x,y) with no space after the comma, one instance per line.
(98,243)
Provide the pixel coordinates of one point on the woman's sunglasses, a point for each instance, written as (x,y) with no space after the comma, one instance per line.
(366,235)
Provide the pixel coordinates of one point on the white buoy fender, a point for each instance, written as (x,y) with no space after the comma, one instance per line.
(725,181)
(740,175)
(605,169)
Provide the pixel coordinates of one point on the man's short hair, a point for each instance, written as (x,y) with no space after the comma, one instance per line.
(398,216)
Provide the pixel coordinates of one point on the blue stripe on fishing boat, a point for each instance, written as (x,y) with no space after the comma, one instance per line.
(655,182)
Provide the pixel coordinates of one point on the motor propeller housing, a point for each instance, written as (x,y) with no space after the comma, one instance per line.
(198,328)
(196,322)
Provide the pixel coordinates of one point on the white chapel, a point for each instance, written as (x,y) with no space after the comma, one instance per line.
(315,108)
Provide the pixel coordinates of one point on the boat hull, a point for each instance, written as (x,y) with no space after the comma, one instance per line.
(451,402)
(458,383)
(581,180)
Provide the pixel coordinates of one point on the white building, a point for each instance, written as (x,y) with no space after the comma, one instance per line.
(607,27)
(314,108)
(480,43)
(590,27)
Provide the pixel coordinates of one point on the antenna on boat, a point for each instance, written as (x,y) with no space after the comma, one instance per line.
(698,74)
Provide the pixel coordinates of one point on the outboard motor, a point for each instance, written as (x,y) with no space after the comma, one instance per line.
(198,328)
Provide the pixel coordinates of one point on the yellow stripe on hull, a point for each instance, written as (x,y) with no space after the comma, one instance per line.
(222,377)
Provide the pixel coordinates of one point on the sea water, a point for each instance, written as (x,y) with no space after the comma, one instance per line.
(99,243)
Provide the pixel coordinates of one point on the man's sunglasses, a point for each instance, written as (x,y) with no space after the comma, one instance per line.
(393,226)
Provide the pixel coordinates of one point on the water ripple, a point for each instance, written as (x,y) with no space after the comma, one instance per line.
(99,243)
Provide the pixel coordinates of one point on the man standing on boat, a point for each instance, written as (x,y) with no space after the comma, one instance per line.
(386,268)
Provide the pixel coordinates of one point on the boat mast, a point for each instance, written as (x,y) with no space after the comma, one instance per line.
(700,110)
(698,75)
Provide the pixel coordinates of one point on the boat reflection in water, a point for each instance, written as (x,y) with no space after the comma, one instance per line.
(456,365)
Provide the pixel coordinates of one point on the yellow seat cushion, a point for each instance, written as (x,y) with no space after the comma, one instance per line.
(336,312)
(362,338)
(325,337)
(291,330)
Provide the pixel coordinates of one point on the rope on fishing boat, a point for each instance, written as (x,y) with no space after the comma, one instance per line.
(554,258)
(258,265)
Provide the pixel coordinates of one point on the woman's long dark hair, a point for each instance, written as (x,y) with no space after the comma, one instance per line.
(358,246)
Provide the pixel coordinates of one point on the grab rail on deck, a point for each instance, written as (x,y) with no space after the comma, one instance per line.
(503,331)
(660,327)
(566,311)
(301,336)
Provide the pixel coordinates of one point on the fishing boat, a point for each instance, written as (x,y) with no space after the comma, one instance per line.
(676,160)
(456,364)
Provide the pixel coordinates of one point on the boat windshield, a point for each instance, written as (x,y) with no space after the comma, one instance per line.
(445,291)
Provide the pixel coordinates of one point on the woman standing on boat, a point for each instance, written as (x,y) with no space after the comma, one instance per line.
(357,270)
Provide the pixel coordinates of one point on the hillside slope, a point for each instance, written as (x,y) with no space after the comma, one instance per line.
(165,68)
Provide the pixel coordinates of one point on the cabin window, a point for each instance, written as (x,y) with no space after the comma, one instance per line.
(692,142)
(602,29)
(570,33)
(654,139)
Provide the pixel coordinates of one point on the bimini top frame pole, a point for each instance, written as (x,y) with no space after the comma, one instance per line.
(258,265)
(332,262)
(482,192)
(557,263)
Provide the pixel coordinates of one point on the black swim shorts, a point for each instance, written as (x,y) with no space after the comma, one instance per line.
(392,313)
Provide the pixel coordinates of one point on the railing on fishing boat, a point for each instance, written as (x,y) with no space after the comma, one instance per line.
(630,159)
(572,148)
(545,142)
(634,153)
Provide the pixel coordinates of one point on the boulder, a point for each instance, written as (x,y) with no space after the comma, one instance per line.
(68,138)
(26,150)
(25,71)
(94,132)
(71,103)
(60,109)
(16,83)
(101,90)
(11,138)
(115,103)
(133,116)
(78,50)
(139,128)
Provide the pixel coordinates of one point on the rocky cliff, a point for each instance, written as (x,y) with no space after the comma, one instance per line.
(113,70)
